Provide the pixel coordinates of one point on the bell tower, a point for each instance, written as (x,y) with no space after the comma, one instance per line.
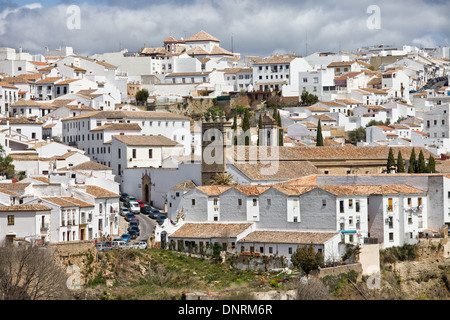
(216,146)
(269,131)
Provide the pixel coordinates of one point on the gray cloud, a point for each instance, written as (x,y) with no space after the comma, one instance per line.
(258,27)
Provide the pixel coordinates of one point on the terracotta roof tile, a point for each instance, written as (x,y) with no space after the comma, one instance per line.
(291,237)
(210,230)
(25,207)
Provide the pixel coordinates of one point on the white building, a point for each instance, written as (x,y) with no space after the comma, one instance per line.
(28,222)
(141,152)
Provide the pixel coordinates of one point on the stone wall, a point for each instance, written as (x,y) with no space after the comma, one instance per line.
(335,271)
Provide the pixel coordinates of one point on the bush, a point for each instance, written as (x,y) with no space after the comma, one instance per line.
(407,252)
(307,259)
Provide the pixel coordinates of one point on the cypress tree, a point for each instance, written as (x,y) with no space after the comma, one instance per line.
(390,161)
(319,140)
(412,162)
(246,126)
(234,128)
(400,163)
(431,166)
(259,128)
(280,130)
(421,166)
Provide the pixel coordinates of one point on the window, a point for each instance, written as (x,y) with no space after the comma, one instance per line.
(350,203)
(391,236)
(255,202)
(193,202)
(10,220)
(390,204)
(419,201)
(324,203)
(391,222)
(150,153)
(350,221)
(119,153)
(409,201)
(341,206)
(216,201)
(134,153)
(269,202)
(357,206)
(290,250)
(239,202)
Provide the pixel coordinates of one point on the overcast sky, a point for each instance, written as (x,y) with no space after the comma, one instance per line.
(257,27)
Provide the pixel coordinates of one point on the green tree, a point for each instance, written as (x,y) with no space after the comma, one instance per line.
(307,259)
(421,166)
(356,135)
(259,128)
(319,139)
(142,95)
(390,161)
(246,127)
(412,162)
(308,99)
(400,163)
(280,130)
(6,164)
(222,178)
(240,110)
(234,128)
(431,166)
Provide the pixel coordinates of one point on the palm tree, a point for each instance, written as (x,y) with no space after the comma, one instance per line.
(222,179)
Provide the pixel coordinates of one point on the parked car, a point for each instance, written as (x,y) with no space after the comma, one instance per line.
(161,218)
(134,229)
(126,237)
(129,216)
(135,219)
(141,245)
(146,209)
(133,224)
(117,243)
(134,207)
(141,204)
(102,246)
(128,200)
(133,234)
(123,197)
(124,211)
(154,213)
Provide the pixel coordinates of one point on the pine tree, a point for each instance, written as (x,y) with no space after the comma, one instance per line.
(400,163)
(390,161)
(412,162)
(431,166)
(421,166)
(319,140)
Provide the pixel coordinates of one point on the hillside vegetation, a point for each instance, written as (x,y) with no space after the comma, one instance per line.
(408,272)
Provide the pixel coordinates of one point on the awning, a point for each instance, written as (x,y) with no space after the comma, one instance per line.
(348,231)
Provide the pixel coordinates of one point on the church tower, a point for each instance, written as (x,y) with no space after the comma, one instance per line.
(269,131)
(216,146)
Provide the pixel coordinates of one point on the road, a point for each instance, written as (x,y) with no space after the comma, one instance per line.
(146,226)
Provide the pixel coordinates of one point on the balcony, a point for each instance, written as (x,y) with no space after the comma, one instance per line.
(44,227)
(370,240)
